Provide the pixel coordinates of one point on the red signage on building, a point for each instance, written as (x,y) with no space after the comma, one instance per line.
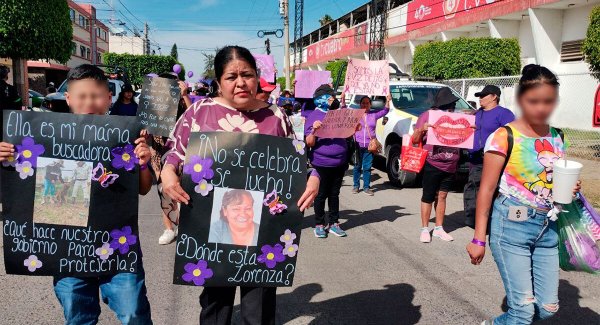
(596,118)
(423,13)
(332,46)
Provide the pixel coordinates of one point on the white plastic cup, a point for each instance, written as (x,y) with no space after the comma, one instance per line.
(565,177)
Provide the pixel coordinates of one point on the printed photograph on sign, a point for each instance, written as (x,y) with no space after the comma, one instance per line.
(451,129)
(235,217)
(62,192)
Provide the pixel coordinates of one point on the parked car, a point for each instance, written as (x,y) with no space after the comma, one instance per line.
(409,99)
(35,99)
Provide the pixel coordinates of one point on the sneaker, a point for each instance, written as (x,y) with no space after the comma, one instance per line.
(336,230)
(355,190)
(320,231)
(369,192)
(438,232)
(167,237)
(425,235)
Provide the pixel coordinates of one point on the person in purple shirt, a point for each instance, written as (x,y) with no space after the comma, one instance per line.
(488,119)
(329,158)
(439,170)
(363,136)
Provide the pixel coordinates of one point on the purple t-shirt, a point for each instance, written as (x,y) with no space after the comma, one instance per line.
(365,134)
(488,122)
(440,157)
(326,152)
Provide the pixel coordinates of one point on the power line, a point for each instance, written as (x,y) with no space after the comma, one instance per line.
(124,6)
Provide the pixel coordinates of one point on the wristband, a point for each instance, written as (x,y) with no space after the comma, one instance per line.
(478,242)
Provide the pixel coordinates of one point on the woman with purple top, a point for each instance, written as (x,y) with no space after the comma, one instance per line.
(363,136)
(439,169)
(235,109)
(488,119)
(329,158)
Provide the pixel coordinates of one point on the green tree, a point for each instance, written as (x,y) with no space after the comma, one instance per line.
(325,20)
(467,58)
(34,30)
(209,64)
(138,66)
(337,68)
(174,51)
(591,44)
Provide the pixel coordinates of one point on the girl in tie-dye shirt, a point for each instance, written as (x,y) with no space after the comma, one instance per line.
(523,233)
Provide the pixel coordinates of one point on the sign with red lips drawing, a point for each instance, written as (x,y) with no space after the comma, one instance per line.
(596,118)
(451,129)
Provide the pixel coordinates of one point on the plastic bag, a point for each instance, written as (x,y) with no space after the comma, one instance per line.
(579,237)
(413,158)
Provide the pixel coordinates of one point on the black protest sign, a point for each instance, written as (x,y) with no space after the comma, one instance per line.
(242,226)
(70,195)
(157,109)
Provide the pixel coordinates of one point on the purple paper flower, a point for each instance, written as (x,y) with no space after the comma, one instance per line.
(271,255)
(29,151)
(197,273)
(290,250)
(203,188)
(25,169)
(124,157)
(199,168)
(105,251)
(11,161)
(299,145)
(32,263)
(122,239)
(287,237)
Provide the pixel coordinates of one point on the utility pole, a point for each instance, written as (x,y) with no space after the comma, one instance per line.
(298,31)
(286,42)
(268,46)
(146,40)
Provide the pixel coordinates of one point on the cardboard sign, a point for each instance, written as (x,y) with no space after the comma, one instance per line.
(367,77)
(308,81)
(596,118)
(70,198)
(340,123)
(157,109)
(297,121)
(451,129)
(242,226)
(266,66)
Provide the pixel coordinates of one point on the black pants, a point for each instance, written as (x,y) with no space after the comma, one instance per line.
(434,181)
(329,189)
(470,193)
(258,305)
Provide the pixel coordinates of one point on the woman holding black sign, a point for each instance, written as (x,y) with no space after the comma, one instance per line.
(235,109)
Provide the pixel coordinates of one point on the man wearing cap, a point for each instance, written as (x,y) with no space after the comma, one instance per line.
(488,119)
(264,90)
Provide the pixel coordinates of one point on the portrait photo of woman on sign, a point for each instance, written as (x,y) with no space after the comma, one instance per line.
(236,218)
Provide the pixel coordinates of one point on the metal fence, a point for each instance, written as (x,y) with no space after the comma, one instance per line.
(574,114)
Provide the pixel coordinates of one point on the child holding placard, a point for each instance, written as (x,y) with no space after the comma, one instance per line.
(523,234)
(125,293)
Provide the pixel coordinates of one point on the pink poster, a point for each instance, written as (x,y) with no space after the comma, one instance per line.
(266,66)
(340,123)
(451,129)
(308,81)
(367,77)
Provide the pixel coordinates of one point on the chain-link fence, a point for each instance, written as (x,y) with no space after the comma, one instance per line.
(574,114)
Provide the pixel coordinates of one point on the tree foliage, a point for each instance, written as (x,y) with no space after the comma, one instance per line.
(138,66)
(174,51)
(591,44)
(467,58)
(325,20)
(35,29)
(337,67)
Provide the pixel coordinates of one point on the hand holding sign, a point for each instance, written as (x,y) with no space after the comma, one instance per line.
(339,123)
(450,129)
(367,77)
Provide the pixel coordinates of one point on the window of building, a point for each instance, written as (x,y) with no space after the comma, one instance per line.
(88,53)
(99,58)
(571,51)
(73,48)
(72,14)
(82,51)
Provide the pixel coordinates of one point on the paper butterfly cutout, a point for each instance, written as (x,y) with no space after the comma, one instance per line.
(275,205)
(104,177)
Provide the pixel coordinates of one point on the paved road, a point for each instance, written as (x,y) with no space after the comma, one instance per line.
(380,274)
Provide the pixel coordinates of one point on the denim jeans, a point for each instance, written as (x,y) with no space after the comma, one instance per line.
(526,253)
(49,188)
(363,167)
(124,293)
